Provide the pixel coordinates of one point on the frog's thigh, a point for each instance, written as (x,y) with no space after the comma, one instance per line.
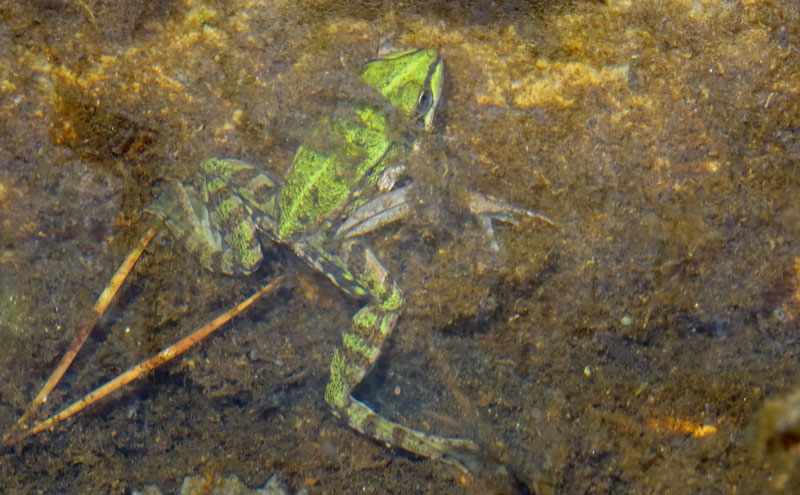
(224,250)
(240,251)
(228,185)
(372,324)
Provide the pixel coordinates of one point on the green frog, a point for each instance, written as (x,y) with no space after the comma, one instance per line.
(343,183)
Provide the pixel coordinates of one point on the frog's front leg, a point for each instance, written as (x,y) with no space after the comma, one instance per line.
(394,205)
(375,213)
(359,272)
(486,208)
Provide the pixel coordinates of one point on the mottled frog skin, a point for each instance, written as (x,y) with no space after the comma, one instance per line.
(341,185)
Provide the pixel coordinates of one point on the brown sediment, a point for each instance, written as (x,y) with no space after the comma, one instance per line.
(662,137)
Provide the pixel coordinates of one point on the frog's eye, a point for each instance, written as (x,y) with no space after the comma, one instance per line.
(425,101)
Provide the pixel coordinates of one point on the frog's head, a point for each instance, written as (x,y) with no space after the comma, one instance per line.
(411,80)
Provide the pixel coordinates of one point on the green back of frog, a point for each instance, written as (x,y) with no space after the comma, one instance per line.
(348,151)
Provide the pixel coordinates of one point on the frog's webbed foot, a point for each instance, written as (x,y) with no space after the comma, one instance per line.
(462,453)
(486,208)
(494,475)
(184,214)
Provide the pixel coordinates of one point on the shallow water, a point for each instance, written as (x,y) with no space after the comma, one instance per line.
(628,349)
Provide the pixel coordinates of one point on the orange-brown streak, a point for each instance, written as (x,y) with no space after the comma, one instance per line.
(154,362)
(83,332)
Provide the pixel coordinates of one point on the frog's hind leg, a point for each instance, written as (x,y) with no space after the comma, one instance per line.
(361,348)
(217,228)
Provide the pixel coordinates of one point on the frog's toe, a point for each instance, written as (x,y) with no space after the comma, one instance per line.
(461,453)
(485,223)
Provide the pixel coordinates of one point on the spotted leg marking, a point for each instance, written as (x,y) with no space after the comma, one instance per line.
(361,347)
(218,226)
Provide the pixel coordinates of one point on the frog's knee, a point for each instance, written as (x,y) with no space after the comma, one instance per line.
(393,300)
(231,263)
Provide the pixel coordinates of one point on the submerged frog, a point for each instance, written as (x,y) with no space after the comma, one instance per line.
(341,185)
